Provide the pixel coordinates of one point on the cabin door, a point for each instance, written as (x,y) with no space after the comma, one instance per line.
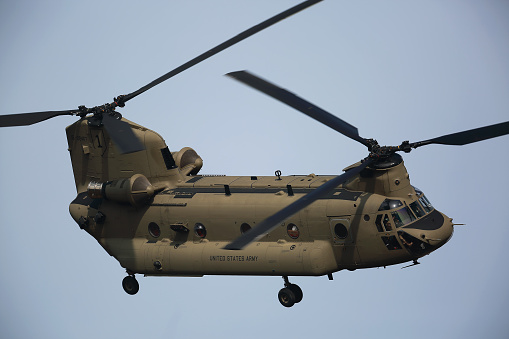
(345,247)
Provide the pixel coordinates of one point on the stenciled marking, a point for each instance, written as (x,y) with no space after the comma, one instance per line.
(78,138)
(234,258)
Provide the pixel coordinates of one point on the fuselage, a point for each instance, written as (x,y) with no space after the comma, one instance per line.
(377,219)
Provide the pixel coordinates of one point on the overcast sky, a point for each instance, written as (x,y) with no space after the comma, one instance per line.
(397,70)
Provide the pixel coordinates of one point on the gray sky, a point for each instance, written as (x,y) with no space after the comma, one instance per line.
(398,70)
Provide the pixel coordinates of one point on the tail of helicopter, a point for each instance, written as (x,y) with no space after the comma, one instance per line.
(95,159)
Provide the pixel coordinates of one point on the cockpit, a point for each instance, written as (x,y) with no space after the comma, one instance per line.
(394,214)
(399,214)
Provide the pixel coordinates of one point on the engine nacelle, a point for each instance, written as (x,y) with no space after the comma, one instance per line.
(136,190)
(188,161)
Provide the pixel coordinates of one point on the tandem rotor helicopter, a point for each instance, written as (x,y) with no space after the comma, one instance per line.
(151,210)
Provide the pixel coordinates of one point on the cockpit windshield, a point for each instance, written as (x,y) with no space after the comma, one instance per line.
(402,217)
(417,209)
(425,203)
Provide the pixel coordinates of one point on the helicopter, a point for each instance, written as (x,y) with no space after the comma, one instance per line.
(177,190)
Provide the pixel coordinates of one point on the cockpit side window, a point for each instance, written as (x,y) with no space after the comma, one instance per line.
(387,223)
(426,204)
(391,243)
(383,223)
(378,223)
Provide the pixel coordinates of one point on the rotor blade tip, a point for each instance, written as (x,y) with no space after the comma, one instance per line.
(234,74)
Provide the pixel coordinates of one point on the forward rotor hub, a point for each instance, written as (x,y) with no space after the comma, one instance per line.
(383,152)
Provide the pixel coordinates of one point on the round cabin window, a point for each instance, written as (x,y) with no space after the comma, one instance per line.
(244,228)
(293,231)
(154,230)
(200,230)
(341,231)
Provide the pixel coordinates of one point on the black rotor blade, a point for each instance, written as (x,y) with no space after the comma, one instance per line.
(299,104)
(25,119)
(122,135)
(467,137)
(247,33)
(274,220)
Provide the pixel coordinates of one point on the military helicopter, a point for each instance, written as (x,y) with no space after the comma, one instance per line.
(152,211)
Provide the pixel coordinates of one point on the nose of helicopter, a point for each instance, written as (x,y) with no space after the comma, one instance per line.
(428,234)
(442,234)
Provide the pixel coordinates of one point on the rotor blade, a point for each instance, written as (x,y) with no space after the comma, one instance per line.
(122,135)
(274,220)
(467,137)
(299,104)
(247,33)
(25,119)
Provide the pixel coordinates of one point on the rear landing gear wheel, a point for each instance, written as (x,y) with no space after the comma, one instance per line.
(297,291)
(290,294)
(286,297)
(130,285)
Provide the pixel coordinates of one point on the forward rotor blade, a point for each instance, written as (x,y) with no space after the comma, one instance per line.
(274,220)
(25,119)
(122,135)
(467,137)
(247,33)
(299,104)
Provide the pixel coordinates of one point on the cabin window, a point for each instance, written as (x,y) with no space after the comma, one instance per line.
(293,231)
(154,230)
(244,228)
(200,230)
(341,231)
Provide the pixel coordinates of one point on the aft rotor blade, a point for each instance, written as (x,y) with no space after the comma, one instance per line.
(25,119)
(247,33)
(274,220)
(299,104)
(467,137)
(122,135)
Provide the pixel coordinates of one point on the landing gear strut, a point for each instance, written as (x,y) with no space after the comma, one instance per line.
(290,294)
(130,284)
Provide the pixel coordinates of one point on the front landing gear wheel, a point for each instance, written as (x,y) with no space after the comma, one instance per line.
(130,285)
(286,297)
